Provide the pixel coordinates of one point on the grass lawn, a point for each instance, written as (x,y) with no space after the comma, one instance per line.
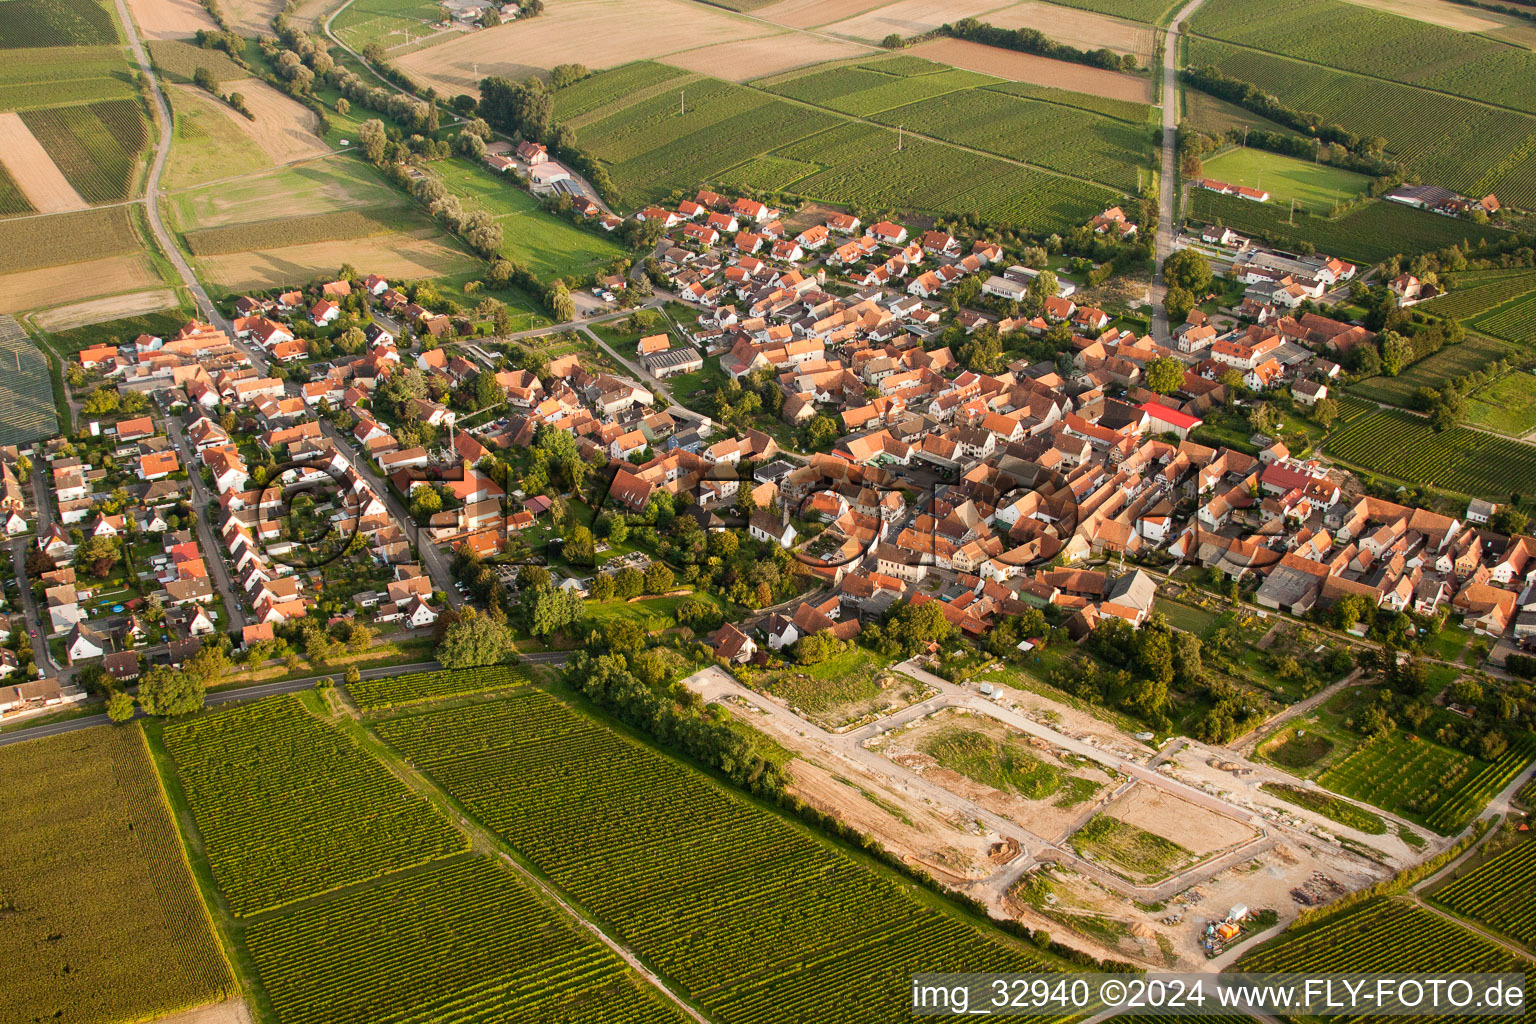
(1186,616)
(653,613)
(1297,750)
(1143,855)
(1508,405)
(548,245)
(1315,187)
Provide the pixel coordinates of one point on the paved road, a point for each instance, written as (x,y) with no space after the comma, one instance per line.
(1167,186)
(213,552)
(42,502)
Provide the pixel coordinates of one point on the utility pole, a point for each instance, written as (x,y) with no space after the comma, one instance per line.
(898,137)
(1292,220)
(682,102)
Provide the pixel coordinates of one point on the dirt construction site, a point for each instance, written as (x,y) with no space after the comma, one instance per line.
(924,782)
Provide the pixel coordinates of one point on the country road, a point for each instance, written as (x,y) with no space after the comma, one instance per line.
(1168,182)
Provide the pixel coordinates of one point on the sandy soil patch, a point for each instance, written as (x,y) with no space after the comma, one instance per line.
(284,129)
(53,286)
(420,254)
(1446,15)
(1083,29)
(1026,67)
(171,19)
(597,33)
(33,170)
(114,307)
(747,59)
(810,13)
(1198,829)
(909,18)
(234,1011)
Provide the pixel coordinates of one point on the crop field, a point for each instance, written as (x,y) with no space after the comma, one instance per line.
(1507,406)
(101,920)
(1409,776)
(1386,936)
(1326,804)
(421,687)
(288,808)
(207,144)
(594,98)
(1368,233)
(160,325)
(1205,113)
(49,76)
(26,388)
(1467,801)
(11,199)
(1152,11)
(1060,138)
(1514,322)
(809,926)
(1475,295)
(64,238)
(861,92)
(96,146)
(322,227)
(1402,446)
(1460,144)
(1485,894)
(1006,763)
(385,22)
(1141,853)
(29,23)
(1435,371)
(1358,38)
(180,61)
(1317,188)
(307,189)
(652,149)
(464,941)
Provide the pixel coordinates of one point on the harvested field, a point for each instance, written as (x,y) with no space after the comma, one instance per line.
(32,289)
(420,254)
(208,144)
(597,33)
(33,170)
(746,59)
(170,19)
(284,129)
(290,231)
(810,13)
(95,311)
(254,17)
(312,187)
(909,18)
(1084,29)
(1199,830)
(1026,67)
(1444,14)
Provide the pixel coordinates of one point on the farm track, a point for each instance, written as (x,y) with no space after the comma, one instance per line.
(1167,186)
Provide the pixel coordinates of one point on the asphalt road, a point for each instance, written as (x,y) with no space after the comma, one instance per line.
(213,552)
(1168,185)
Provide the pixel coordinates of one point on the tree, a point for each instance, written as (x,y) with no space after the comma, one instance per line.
(658,578)
(371,134)
(580,548)
(602,587)
(623,635)
(1178,303)
(554,610)
(629,582)
(911,628)
(1042,287)
(1325,411)
(893,41)
(165,692)
(1165,375)
(820,431)
(101,401)
(816,648)
(119,706)
(353,676)
(474,640)
(203,79)
(1188,269)
(1509,520)
(1396,353)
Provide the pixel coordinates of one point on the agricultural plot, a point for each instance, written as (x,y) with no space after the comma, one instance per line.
(1435,371)
(26,388)
(1467,801)
(1152,11)
(207,144)
(1326,804)
(1128,848)
(1316,188)
(1507,406)
(1205,113)
(1476,294)
(604,817)
(1367,233)
(421,687)
(615,88)
(1514,322)
(29,23)
(1125,110)
(96,146)
(1486,894)
(102,921)
(861,92)
(1382,935)
(309,189)
(1358,38)
(323,227)
(386,22)
(288,808)
(842,689)
(1463,145)
(12,201)
(118,332)
(465,941)
(179,61)
(55,76)
(1402,446)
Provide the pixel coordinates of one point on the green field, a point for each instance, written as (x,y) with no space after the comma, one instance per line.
(654,614)
(1328,805)
(52,23)
(1464,145)
(51,76)
(1515,321)
(1382,935)
(1402,446)
(1006,763)
(1485,893)
(320,227)
(1316,188)
(11,199)
(652,149)
(1153,11)
(548,245)
(385,22)
(422,687)
(301,190)
(288,808)
(1205,113)
(179,61)
(207,144)
(1435,371)
(1367,233)
(465,941)
(119,332)
(1508,405)
(26,388)
(612,89)
(1140,853)
(99,917)
(809,925)
(96,146)
(1480,292)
